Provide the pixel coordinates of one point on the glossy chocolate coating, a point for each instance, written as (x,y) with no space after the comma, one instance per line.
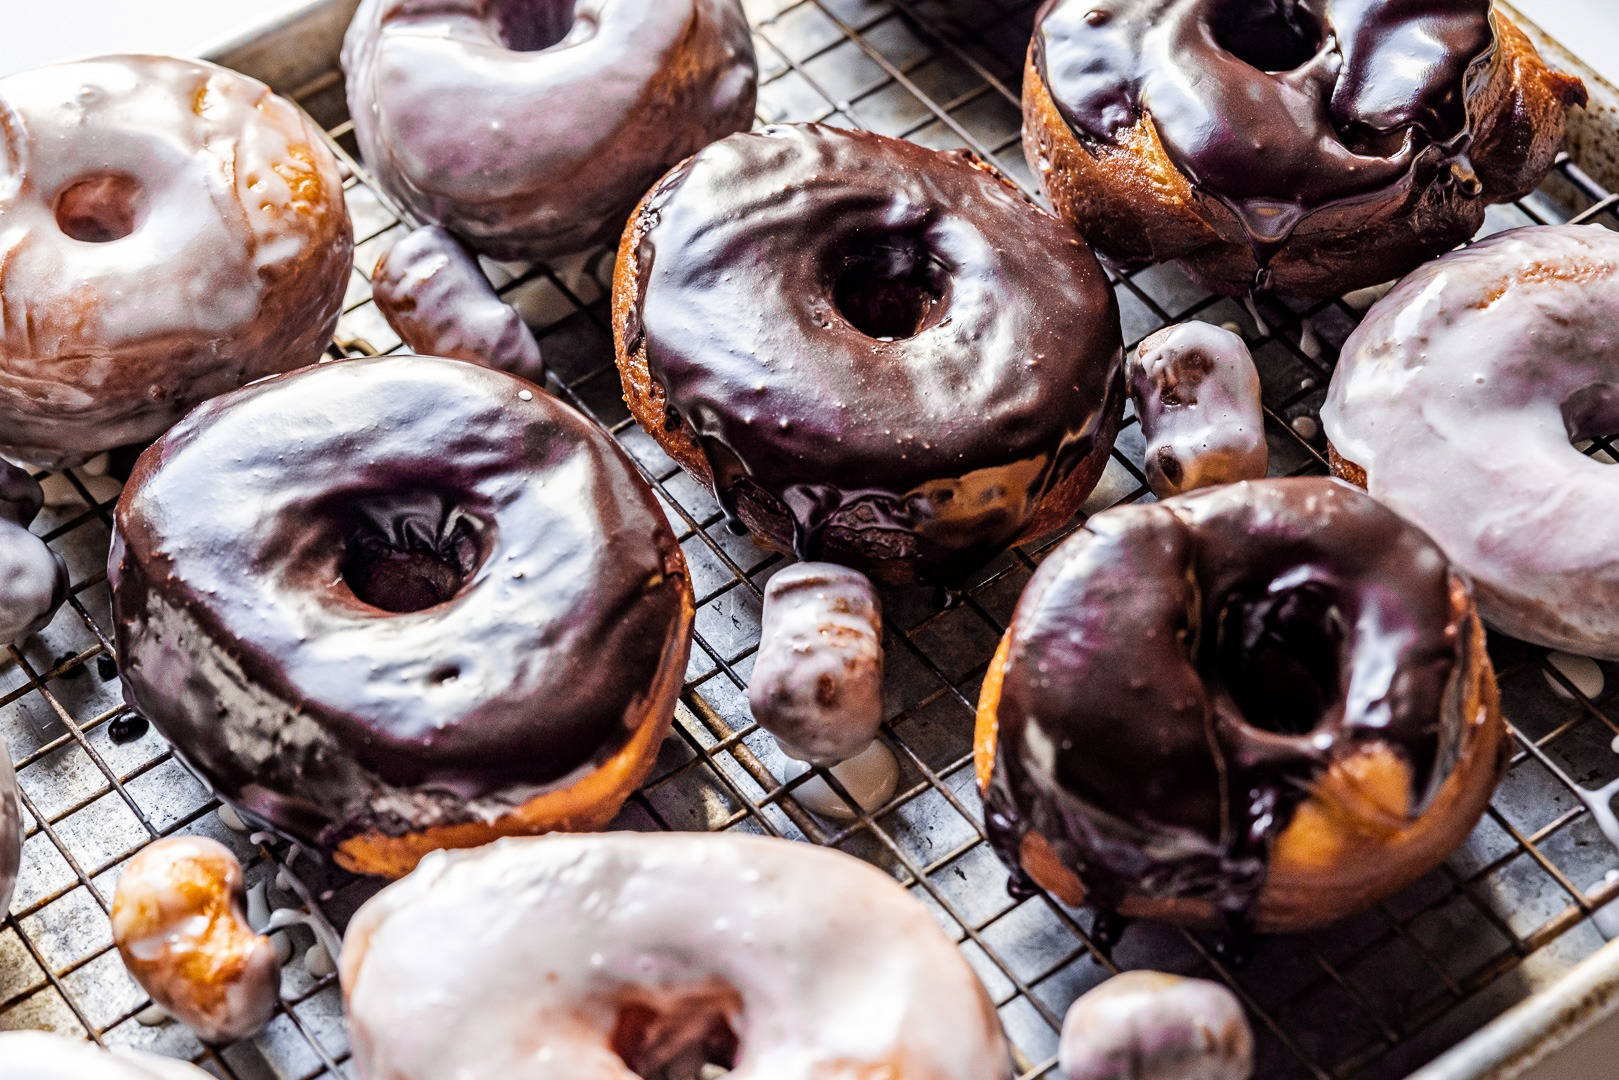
(874,337)
(436,297)
(817,682)
(1197,394)
(169,230)
(1180,673)
(1370,95)
(529,128)
(244,534)
(33,578)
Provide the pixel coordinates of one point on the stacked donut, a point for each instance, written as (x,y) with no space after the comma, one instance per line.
(389,606)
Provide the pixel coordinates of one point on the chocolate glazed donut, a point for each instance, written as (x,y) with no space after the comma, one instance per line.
(1268,702)
(398,604)
(529,128)
(1305,146)
(876,354)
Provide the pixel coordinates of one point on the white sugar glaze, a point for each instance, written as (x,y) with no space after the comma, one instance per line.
(34,1055)
(515,961)
(1461,396)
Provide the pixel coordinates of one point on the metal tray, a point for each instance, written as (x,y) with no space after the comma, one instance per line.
(1509,914)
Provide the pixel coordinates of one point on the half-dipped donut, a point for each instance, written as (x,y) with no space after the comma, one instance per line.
(529,128)
(1305,146)
(875,354)
(395,604)
(169,230)
(1458,402)
(629,955)
(1267,703)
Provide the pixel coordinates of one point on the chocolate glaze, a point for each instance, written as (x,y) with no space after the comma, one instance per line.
(1180,673)
(245,532)
(530,127)
(33,578)
(874,336)
(1278,108)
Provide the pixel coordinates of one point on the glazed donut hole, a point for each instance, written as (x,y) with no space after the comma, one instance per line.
(1277,654)
(404,553)
(536,25)
(890,287)
(1272,37)
(100,208)
(685,1036)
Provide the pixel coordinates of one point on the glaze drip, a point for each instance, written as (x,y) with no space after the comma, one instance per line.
(1278,108)
(874,337)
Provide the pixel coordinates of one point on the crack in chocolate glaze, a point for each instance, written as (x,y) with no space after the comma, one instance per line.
(1278,108)
(1180,674)
(874,337)
(523,654)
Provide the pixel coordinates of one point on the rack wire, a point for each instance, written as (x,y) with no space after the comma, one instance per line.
(1522,901)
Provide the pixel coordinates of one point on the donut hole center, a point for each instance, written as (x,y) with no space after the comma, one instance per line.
(1591,415)
(1275,37)
(888,288)
(1277,655)
(683,1037)
(534,25)
(99,209)
(412,553)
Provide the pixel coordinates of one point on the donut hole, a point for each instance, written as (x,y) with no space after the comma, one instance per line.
(678,1038)
(534,25)
(1277,654)
(99,209)
(890,288)
(411,554)
(1275,37)
(1591,415)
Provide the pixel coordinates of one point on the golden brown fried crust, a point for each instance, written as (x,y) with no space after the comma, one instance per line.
(1347,846)
(879,555)
(587,805)
(1131,202)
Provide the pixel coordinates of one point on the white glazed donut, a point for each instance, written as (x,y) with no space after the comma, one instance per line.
(34,1055)
(169,230)
(1457,403)
(612,956)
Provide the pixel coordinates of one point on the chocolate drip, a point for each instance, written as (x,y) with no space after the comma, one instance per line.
(1278,108)
(1180,674)
(873,336)
(397,583)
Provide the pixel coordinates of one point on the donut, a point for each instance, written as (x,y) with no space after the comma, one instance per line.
(1196,393)
(1307,147)
(627,955)
(1266,704)
(33,578)
(179,921)
(11,829)
(395,604)
(169,230)
(817,682)
(875,354)
(437,299)
(1458,402)
(529,128)
(34,1055)
(1146,1025)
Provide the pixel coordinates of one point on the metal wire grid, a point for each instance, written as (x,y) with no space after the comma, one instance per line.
(1374,997)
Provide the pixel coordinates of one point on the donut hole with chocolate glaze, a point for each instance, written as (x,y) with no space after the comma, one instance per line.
(675,1039)
(1592,413)
(410,552)
(1278,655)
(99,209)
(1271,37)
(535,25)
(890,287)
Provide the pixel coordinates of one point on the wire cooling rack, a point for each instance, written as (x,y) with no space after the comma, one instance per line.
(1521,902)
